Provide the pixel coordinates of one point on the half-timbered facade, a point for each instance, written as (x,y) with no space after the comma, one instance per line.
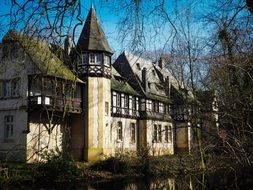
(36,100)
(106,108)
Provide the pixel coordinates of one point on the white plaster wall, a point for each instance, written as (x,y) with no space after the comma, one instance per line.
(40,141)
(163,147)
(126,144)
(14,148)
(107,117)
(15,67)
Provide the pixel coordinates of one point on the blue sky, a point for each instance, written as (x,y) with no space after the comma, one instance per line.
(109,17)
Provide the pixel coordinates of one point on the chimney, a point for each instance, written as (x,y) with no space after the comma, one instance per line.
(167,86)
(68,44)
(161,62)
(144,78)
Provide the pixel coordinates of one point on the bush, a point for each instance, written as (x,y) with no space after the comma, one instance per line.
(58,167)
(114,165)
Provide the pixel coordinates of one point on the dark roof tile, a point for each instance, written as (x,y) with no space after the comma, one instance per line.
(92,36)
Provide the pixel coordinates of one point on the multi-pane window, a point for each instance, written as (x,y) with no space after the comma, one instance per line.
(107,60)
(6,89)
(143,104)
(99,58)
(119,131)
(96,58)
(15,87)
(137,103)
(118,102)
(148,105)
(155,107)
(8,126)
(168,135)
(92,58)
(166,109)
(122,100)
(85,59)
(160,133)
(155,132)
(126,101)
(133,132)
(161,107)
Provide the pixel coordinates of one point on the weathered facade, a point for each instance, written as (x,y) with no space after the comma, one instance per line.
(103,109)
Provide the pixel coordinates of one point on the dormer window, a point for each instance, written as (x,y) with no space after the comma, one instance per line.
(138,66)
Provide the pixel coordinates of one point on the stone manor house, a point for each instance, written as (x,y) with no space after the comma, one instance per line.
(76,100)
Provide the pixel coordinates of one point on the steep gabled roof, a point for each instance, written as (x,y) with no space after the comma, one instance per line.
(41,55)
(130,66)
(120,84)
(92,36)
(164,73)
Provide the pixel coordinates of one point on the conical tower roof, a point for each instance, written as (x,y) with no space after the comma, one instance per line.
(92,36)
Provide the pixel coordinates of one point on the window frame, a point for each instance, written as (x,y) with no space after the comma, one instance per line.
(155,133)
(119,131)
(159,133)
(132,132)
(8,127)
(15,92)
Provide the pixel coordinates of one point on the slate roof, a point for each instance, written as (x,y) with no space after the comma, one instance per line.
(41,55)
(130,67)
(120,84)
(164,73)
(92,36)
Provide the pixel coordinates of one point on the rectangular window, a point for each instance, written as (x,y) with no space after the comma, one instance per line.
(92,58)
(122,100)
(159,133)
(149,105)
(168,135)
(85,59)
(126,101)
(155,133)
(8,127)
(133,132)
(6,89)
(119,131)
(134,103)
(106,108)
(98,58)
(161,107)
(137,103)
(118,100)
(143,104)
(107,60)
(15,87)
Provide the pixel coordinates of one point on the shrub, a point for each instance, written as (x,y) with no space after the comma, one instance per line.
(114,165)
(58,167)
